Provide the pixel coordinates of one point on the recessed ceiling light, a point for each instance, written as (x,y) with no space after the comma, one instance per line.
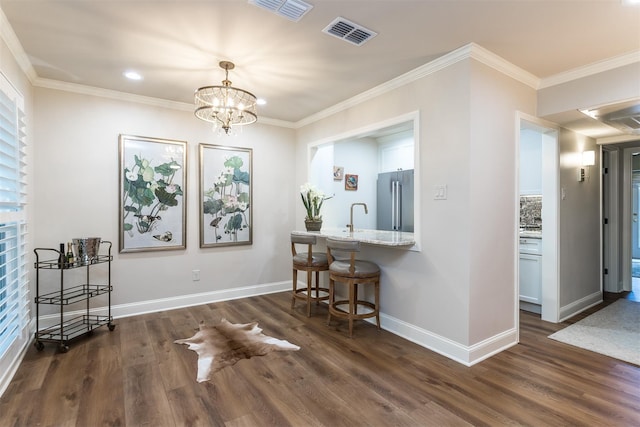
(631,2)
(261,101)
(132,75)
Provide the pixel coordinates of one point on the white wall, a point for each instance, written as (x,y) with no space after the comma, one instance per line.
(459,290)
(494,100)
(579,226)
(76,194)
(616,85)
(358,157)
(530,162)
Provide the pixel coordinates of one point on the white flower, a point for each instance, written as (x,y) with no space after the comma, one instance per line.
(307,187)
(221,179)
(171,188)
(131,176)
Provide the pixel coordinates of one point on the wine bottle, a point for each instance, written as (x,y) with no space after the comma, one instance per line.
(70,259)
(61,256)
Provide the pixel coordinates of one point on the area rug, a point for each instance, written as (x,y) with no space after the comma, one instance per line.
(613,331)
(227,343)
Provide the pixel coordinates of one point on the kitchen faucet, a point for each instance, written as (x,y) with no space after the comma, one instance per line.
(366,211)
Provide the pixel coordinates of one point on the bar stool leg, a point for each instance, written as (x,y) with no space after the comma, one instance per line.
(353,290)
(309,277)
(355,297)
(317,288)
(377,299)
(295,288)
(331,299)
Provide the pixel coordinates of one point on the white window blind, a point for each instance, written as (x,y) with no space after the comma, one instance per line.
(14,298)
(14,284)
(12,195)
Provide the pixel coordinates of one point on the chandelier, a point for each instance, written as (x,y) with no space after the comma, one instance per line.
(225,106)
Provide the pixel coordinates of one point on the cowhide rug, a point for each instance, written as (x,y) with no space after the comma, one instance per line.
(226,343)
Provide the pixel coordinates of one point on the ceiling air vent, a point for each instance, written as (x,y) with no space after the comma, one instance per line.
(349,31)
(290,9)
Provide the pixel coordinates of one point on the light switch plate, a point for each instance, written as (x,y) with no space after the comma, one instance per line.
(439,192)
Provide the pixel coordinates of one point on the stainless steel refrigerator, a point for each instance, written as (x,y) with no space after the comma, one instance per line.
(395,201)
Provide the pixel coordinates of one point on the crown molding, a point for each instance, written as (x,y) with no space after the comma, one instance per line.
(139,99)
(15,47)
(591,69)
(110,94)
(470,50)
(496,62)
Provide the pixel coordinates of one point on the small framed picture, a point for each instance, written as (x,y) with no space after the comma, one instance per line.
(338,173)
(351,182)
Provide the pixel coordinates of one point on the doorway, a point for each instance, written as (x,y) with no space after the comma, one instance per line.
(635,239)
(621,219)
(632,284)
(550,170)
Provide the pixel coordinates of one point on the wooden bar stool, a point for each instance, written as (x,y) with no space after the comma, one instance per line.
(308,261)
(352,272)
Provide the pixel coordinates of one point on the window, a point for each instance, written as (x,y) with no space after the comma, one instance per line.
(14,284)
(14,308)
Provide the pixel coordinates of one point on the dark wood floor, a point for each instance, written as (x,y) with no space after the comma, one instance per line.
(137,376)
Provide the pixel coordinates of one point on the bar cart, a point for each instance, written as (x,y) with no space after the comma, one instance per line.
(69,329)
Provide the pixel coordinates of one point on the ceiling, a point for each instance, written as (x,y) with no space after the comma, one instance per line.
(294,66)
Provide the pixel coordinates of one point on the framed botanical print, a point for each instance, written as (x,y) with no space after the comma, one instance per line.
(225,196)
(152,208)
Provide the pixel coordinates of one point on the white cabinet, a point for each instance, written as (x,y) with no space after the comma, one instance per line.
(531,245)
(530,273)
(531,278)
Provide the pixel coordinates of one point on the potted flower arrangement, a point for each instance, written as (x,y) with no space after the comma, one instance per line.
(312,198)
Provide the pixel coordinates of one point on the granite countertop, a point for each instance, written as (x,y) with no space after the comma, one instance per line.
(371,237)
(531,234)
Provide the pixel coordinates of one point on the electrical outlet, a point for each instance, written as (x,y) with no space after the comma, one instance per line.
(195,275)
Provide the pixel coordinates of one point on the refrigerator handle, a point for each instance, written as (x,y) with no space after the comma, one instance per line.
(394,196)
(396,205)
(399,206)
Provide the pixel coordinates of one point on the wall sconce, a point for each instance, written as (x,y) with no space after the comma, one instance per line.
(588,160)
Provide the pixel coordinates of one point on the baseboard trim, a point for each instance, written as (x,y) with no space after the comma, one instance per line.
(580,305)
(172,303)
(466,355)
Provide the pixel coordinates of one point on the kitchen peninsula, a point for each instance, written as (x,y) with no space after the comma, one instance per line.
(399,239)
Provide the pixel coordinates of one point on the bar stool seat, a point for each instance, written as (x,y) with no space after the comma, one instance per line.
(352,272)
(310,262)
